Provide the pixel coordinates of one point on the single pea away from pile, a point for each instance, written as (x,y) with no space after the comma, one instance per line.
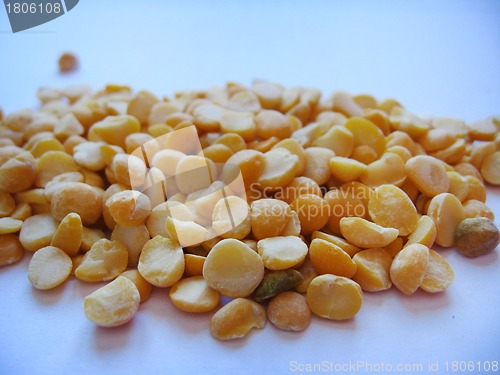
(285,203)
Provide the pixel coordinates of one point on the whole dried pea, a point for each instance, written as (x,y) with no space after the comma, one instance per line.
(476,236)
(289,311)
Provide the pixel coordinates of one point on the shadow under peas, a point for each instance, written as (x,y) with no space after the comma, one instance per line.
(113,338)
(422,302)
(47,297)
(484,260)
(163,310)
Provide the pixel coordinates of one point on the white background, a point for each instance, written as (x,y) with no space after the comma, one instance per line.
(436,57)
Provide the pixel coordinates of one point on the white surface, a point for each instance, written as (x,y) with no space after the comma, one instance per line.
(439,57)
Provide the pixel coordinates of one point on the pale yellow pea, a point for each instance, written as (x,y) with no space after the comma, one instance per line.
(67,126)
(208,116)
(58,181)
(279,253)
(143,287)
(308,273)
(233,269)
(490,168)
(428,174)
(365,234)
(141,104)
(241,123)
(89,237)
(18,172)
(394,247)
(401,151)
(328,258)
(186,233)
(45,145)
(343,202)
(250,163)
(134,238)
(313,212)
(280,167)
(194,173)
(366,133)
(269,94)
(447,212)
(71,142)
(439,274)
(289,311)
(7,204)
(317,164)
(129,207)
(160,111)
(379,118)
(49,267)
(454,126)
(424,233)
(115,129)
(161,262)
(22,211)
(167,160)
(88,155)
(37,231)
(338,241)
(403,120)
(295,148)
(477,190)
(389,206)
(232,140)
(11,249)
(409,267)
(452,154)
(334,297)
(299,186)
(482,130)
(104,261)
(399,138)
(194,264)
(79,198)
(269,217)
(437,139)
(480,152)
(344,103)
(68,236)
(372,272)
(51,164)
(307,134)
(218,153)
(338,139)
(193,294)
(389,169)
(459,186)
(114,304)
(364,154)
(270,123)
(475,208)
(231,218)
(292,227)
(345,169)
(264,145)
(237,318)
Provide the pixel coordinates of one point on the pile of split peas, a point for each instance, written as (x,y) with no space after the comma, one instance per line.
(339,196)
